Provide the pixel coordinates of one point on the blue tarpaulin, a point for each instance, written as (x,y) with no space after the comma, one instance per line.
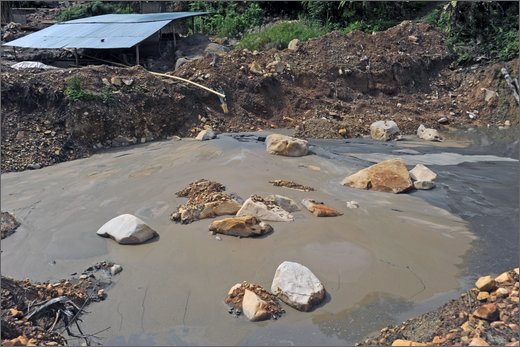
(101,32)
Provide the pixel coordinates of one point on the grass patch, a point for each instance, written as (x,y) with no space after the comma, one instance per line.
(74,92)
(279,35)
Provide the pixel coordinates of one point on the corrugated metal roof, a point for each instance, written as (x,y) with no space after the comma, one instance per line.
(101,32)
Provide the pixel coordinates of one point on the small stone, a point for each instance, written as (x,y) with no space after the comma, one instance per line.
(503,277)
(342,131)
(422,173)
(293,45)
(513,327)
(106,82)
(83,277)
(487,311)
(516,270)
(496,324)
(47,132)
(502,292)
(513,343)
(514,299)
(116,81)
(437,340)
(477,341)
(128,82)
(101,293)
(115,269)
(15,313)
(482,296)
(352,204)
(466,326)
(485,283)
(443,120)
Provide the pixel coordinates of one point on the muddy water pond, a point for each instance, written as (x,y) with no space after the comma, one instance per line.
(394,256)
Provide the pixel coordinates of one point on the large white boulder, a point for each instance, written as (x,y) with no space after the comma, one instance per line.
(384,130)
(127,229)
(260,210)
(286,145)
(297,286)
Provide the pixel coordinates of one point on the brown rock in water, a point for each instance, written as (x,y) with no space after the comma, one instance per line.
(487,311)
(485,284)
(387,176)
(246,226)
(319,209)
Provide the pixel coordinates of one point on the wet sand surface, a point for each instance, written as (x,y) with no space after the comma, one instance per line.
(395,255)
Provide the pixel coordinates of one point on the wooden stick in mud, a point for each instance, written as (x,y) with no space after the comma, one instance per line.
(190,82)
(221,96)
(509,81)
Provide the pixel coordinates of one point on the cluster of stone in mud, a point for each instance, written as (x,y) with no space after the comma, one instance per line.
(485,315)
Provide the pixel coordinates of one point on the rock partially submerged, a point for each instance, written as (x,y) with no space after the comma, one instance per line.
(387,176)
(206,199)
(423,185)
(254,301)
(385,130)
(319,209)
(264,210)
(297,286)
(127,229)
(8,224)
(285,145)
(422,173)
(246,226)
(428,134)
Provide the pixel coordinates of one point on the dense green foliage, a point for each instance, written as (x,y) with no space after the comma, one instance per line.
(93,8)
(74,92)
(227,19)
(474,29)
(279,34)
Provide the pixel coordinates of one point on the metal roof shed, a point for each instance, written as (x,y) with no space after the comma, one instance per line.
(101,32)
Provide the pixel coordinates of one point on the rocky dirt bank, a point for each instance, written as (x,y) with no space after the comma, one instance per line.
(485,315)
(330,87)
(48,314)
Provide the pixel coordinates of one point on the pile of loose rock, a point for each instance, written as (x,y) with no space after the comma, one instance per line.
(485,315)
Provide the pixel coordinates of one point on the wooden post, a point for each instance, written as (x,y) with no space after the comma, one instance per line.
(137,54)
(76,56)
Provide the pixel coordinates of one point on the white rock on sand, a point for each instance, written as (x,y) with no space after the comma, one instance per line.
(297,286)
(127,229)
(284,202)
(428,134)
(206,134)
(254,308)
